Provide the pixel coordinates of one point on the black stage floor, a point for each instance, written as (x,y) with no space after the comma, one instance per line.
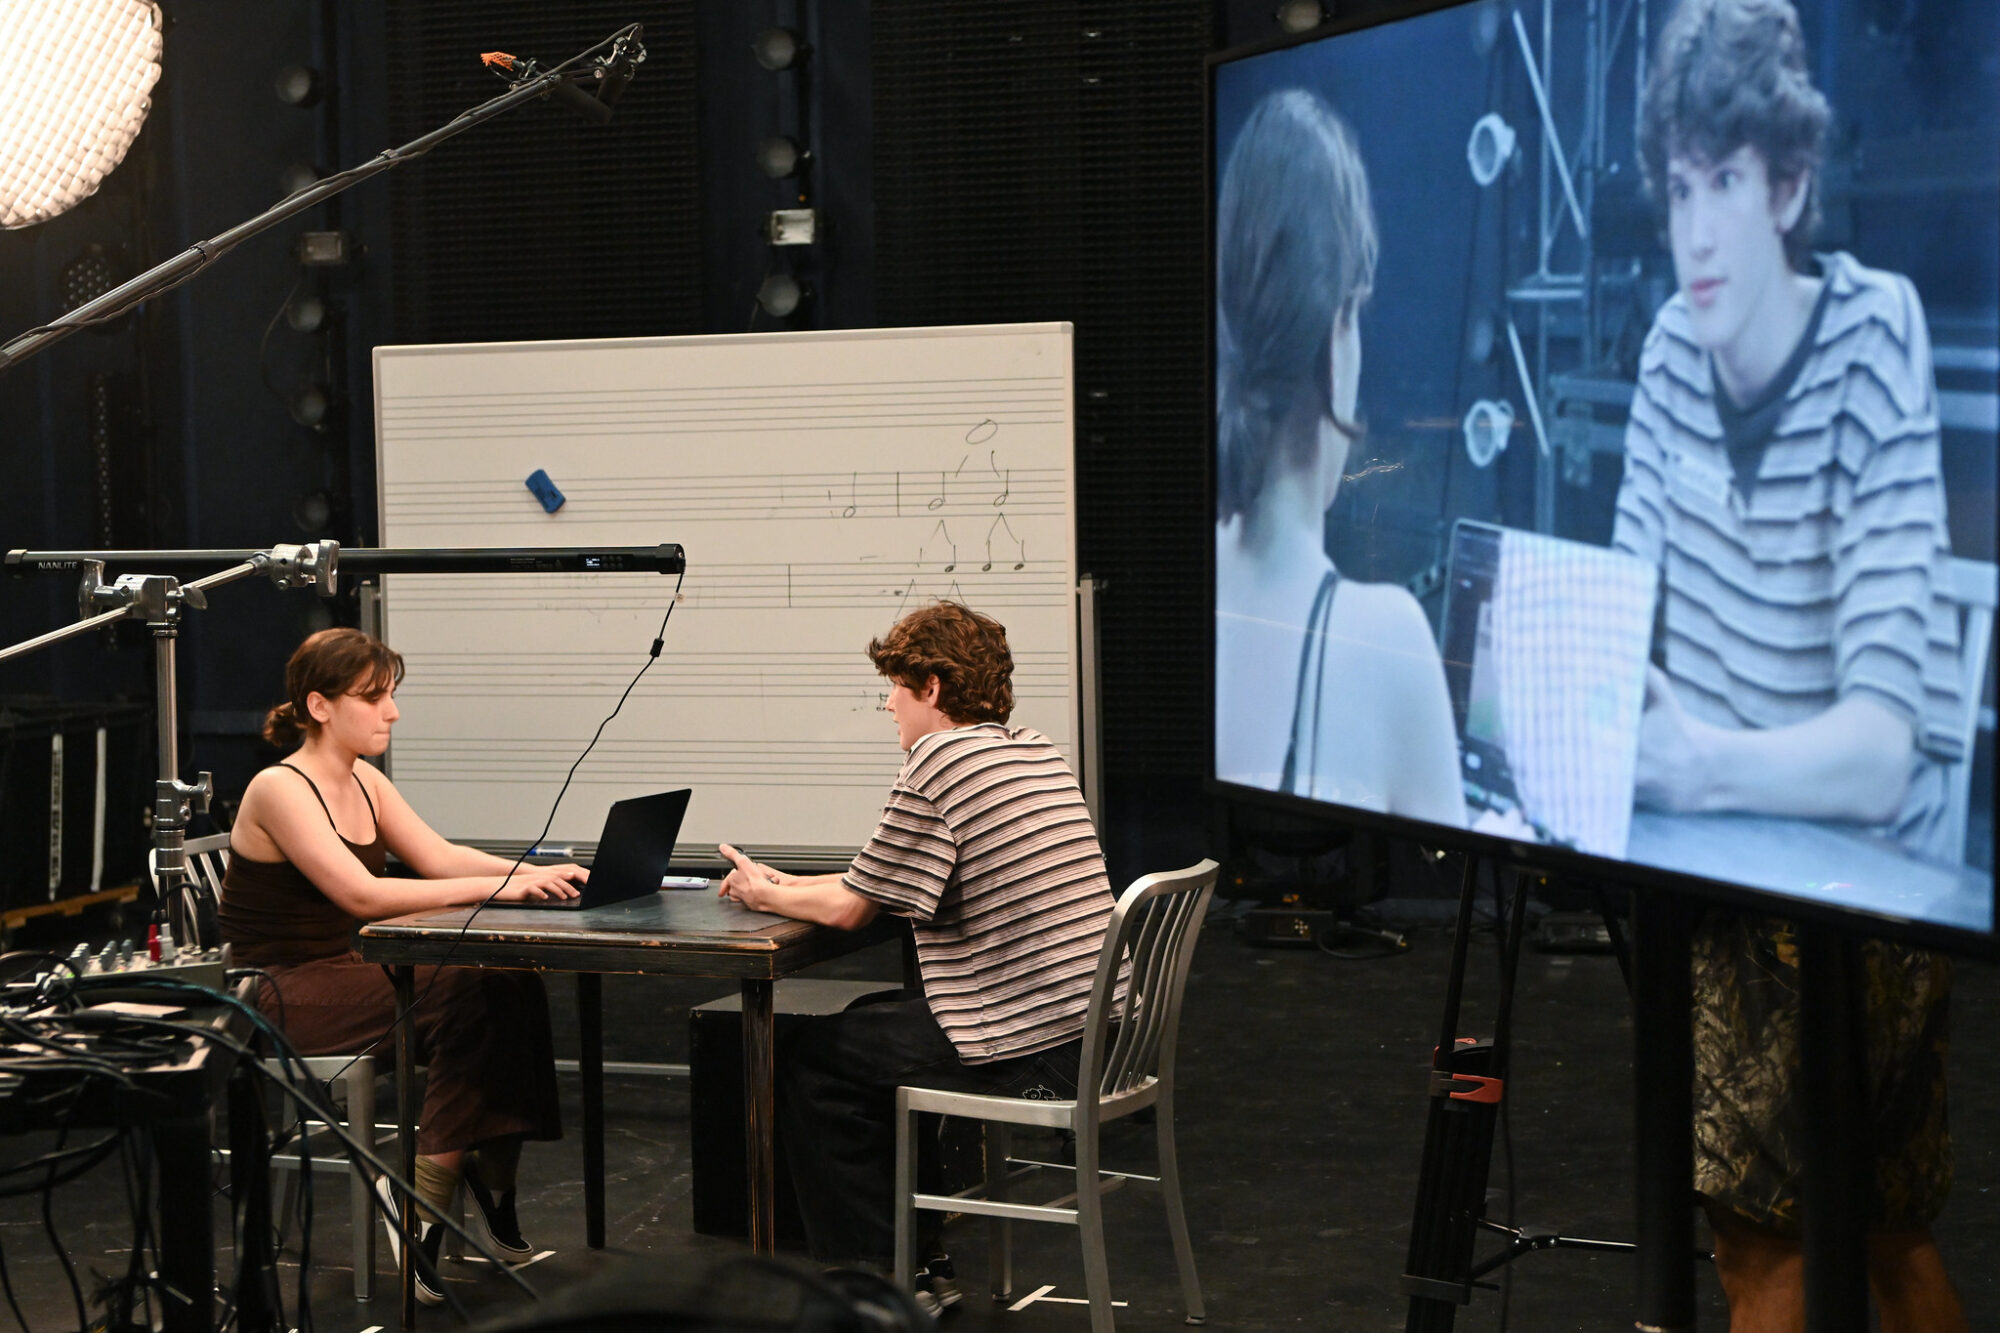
(1301,1120)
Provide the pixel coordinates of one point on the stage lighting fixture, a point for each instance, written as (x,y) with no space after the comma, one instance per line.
(778,48)
(322,249)
(1486,426)
(77,77)
(780,295)
(792,226)
(305,314)
(89,276)
(1489,149)
(297,85)
(1300,15)
(296,177)
(310,405)
(779,156)
(313,512)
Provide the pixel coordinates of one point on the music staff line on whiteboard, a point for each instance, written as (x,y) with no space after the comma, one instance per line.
(474,431)
(973,395)
(1040,492)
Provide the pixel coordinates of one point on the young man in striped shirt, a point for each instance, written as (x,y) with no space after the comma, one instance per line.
(986,846)
(1782,469)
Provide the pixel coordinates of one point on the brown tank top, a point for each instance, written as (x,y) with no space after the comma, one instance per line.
(272,915)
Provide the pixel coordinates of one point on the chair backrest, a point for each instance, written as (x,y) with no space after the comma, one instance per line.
(1128,1047)
(207,859)
(1973,586)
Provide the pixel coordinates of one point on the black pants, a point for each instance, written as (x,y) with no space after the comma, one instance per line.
(837,1081)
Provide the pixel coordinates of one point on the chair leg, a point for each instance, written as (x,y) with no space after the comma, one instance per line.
(906,1188)
(360,1192)
(999,1230)
(1090,1231)
(1170,1195)
(288,1205)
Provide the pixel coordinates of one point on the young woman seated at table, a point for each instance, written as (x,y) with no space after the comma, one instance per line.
(308,855)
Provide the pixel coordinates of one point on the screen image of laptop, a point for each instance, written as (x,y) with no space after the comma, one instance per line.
(635,852)
(1545,644)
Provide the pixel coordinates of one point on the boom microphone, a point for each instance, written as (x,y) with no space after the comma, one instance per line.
(591,92)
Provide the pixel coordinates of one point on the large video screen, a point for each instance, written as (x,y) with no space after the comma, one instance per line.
(1605,425)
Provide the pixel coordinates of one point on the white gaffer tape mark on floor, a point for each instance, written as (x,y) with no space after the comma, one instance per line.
(482,1259)
(1042,1294)
(372,1328)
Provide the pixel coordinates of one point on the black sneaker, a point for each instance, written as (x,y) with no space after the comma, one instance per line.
(430,1288)
(935,1286)
(496,1216)
(430,1239)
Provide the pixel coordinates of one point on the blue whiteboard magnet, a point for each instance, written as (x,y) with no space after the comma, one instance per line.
(545,490)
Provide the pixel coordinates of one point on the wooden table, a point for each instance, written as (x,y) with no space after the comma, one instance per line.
(682,933)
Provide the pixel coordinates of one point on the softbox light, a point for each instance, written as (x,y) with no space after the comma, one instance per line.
(78,74)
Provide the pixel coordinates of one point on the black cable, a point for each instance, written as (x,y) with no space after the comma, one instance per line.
(55,1241)
(357,1150)
(90,1155)
(7,1285)
(135,1174)
(236,973)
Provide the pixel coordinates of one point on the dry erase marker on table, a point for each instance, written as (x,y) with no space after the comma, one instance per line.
(684,881)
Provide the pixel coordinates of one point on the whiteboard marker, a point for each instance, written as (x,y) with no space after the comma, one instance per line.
(551,851)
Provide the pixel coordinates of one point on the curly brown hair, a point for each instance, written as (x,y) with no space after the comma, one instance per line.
(965,650)
(331,663)
(1728,73)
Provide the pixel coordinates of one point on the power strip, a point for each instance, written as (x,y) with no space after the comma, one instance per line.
(1284,925)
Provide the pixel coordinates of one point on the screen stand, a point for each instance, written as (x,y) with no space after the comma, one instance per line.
(1663,1109)
(1836,1149)
(1467,1086)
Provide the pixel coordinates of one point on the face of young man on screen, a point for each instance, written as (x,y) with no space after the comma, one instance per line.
(1727,222)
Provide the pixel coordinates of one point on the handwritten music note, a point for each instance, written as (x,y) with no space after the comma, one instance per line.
(853,494)
(1020,545)
(940,532)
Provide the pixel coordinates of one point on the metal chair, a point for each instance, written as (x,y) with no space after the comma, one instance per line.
(1972,587)
(1127,1065)
(350,1080)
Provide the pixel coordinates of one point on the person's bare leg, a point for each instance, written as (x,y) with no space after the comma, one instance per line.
(1762,1273)
(1912,1291)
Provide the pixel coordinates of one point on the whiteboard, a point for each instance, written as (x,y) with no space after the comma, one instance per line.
(822,483)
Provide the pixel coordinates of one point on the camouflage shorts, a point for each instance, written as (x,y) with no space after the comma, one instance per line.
(1748,1115)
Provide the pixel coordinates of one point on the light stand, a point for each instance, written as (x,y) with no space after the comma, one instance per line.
(159,599)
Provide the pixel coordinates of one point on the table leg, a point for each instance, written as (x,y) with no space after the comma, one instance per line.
(187,1226)
(250,1186)
(406,1126)
(590,1063)
(760,1113)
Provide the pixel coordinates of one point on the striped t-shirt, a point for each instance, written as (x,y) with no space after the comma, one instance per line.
(1822,577)
(987,846)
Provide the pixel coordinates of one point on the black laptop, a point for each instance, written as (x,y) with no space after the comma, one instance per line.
(635,852)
